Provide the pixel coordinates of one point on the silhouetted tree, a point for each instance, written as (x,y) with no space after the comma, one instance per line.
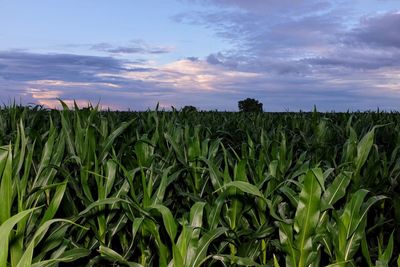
(189,109)
(250,105)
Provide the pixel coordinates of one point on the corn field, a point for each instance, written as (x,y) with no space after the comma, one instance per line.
(85,187)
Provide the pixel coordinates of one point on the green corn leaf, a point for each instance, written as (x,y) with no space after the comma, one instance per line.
(6,190)
(144,152)
(320,177)
(196,214)
(114,256)
(365,251)
(353,243)
(286,239)
(276,263)
(5,230)
(4,150)
(362,214)
(67,256)
(187,242)
(335,191)
(111,174)
(111,138)
(245,187)
(26,259)
(290,194)
(177,257)
(55,203)
(363,148)
(215,213)
(47,152)
(338,264)
(387,254)
(168,219)
(307,215)
(107,201)
(359,213)
(176,148)
(189,238)
(166,180)
(24,141)
(203,245)
(240,261)
(351,214)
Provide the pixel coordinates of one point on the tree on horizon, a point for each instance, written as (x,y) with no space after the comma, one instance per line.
(250,105)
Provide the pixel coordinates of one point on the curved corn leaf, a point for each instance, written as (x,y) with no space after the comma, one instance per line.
(26,259)
(245,187)
(204,242)
(5,230)
(114,256)
(68,256)
(169,221)
(240,261)
(336,190)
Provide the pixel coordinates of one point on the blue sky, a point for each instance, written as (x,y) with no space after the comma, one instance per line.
(290,55)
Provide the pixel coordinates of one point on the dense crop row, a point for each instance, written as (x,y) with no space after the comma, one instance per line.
(91,188)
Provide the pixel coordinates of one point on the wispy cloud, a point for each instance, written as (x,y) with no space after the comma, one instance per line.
(269,6)
(134,47)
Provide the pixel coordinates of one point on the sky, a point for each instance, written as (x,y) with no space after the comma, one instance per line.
(130,55)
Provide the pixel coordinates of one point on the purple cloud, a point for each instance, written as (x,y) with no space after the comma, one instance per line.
(379,31)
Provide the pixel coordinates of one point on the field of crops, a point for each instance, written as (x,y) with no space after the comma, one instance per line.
(95,188)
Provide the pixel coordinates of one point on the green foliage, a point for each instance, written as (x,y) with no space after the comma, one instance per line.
(250,105)
(85,187)
(189,109)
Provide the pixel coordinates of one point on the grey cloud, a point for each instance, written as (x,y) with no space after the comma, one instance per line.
(373,44)
(101,46)
(258,35)
(23,66)
(192,58)
(381,31)
(140,69)
(135,47)
(18,67)
(213,59)
(270,6)
(138,50)
(357,60)
(300,44)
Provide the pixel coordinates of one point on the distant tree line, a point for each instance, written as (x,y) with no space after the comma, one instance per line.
(246,105)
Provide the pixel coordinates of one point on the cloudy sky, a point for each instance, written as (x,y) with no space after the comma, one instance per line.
(131,54)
